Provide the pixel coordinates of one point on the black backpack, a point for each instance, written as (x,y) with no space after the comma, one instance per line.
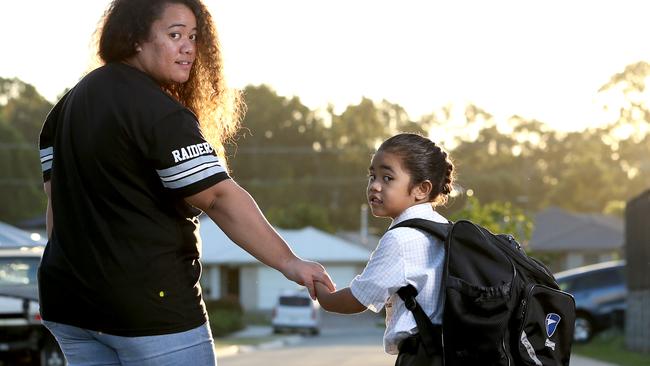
(501,307)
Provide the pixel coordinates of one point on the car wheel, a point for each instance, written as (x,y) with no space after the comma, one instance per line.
(314,331)
(584,329)
(51,354)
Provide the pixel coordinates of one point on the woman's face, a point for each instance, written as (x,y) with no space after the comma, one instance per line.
(169,52)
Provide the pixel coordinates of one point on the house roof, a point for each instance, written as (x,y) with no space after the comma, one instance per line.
(36,222)
(308,243)
(11,236)
(559,230)
(369,241)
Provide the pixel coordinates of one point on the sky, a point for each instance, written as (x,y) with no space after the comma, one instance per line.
(537,59)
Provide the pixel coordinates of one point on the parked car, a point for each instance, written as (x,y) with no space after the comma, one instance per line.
(296,311)
(23,339)
(599,291)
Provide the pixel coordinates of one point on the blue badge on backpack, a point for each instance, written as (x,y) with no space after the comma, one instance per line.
(552,321)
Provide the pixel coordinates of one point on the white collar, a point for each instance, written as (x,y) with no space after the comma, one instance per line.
(420,211)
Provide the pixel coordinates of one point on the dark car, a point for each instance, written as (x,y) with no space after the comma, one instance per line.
(599,291)
(23,339)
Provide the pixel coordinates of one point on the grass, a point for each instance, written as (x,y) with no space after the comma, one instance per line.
(609,346)
(257,318)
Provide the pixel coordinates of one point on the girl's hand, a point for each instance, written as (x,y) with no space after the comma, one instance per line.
(341,301)
(321,290)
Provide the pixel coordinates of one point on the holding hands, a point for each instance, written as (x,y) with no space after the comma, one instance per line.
(308,274)
(341,301)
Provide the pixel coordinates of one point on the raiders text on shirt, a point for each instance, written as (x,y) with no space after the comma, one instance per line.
(191,151)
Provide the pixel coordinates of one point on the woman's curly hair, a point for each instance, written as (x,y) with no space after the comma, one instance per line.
(218,108)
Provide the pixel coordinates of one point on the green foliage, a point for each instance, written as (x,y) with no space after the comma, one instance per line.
(257,318)
(226,316)
(21,193)
(23,108)
(609,346)
(498,217)
(309,167)
(615,208)
(299,215)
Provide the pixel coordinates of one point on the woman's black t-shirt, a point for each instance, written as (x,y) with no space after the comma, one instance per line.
(123,257)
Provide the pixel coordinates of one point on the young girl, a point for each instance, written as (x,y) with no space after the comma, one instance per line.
(408,177)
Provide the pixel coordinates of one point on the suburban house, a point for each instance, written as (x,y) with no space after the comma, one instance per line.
(577,239)
(228,270)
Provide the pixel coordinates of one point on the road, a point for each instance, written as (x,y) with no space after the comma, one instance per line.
(344,341)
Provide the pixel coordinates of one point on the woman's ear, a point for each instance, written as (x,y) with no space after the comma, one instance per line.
(423,190)
(137,46)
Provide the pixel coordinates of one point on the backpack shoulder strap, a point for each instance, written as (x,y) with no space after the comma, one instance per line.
(437,229)
(430,335)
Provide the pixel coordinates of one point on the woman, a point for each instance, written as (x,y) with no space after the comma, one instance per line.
(127,168)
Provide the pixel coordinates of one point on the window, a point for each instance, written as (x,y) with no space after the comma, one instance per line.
(294,301)
(18,271)
(598,279)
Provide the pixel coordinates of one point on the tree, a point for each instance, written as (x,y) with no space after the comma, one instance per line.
(300,215)
(629,135)
(21,195)
(489,167)
(22,112)
(23,108)
(498,217)
(279,157)
(533,167)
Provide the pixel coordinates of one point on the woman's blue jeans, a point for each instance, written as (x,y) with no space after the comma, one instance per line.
(83,347)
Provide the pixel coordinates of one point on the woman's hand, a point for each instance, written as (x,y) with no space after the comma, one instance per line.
(237,214)
(307,273)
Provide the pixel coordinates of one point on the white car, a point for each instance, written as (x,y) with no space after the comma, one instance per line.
(23,339)
(296,311)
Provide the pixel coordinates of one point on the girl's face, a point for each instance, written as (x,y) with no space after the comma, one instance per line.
(170,50)
(388,186)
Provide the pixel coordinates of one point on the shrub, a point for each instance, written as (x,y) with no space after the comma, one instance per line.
(226,316)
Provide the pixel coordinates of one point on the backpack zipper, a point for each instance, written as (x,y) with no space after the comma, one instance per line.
(503,346)
(524,303)
(512,284)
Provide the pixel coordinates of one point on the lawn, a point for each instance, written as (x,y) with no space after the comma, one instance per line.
(609,346)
